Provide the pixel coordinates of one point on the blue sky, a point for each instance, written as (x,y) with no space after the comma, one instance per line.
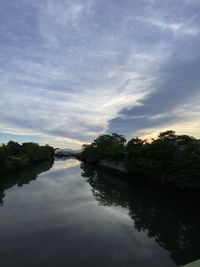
(71,70)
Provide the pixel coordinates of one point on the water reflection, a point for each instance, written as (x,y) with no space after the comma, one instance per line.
(22,177)
(171,219)
(64,163)
(63,219)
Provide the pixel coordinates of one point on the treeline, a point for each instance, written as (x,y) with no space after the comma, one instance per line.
(170,158)
(14,156)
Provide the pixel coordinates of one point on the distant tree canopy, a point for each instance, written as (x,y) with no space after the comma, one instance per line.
(14,156)
(168,158)
(105,147)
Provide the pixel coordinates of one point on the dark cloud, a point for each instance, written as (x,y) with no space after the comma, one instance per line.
(178,82)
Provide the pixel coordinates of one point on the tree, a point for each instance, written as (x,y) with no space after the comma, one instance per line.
(14,148)
(14,156)
(105,147)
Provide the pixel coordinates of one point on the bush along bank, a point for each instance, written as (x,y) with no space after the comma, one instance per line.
(15,156)
(168,159)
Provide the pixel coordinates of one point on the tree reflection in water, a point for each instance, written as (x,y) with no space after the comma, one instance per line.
(22,177)
(171,218)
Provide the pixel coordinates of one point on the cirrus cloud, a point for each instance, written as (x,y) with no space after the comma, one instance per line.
(71,70)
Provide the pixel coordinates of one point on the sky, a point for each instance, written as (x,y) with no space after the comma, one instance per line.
(73,70)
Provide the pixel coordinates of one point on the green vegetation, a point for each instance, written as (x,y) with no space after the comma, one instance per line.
(170,158)
(14,156)
(105,147)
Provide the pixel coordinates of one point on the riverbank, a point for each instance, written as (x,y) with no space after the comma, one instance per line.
(114,165)
(114,169)
(169,160)
(14,156)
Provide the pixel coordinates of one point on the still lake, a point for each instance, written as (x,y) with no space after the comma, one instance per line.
(70,214)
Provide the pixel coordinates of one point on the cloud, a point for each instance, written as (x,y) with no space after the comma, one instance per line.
(71,70)
(178,83)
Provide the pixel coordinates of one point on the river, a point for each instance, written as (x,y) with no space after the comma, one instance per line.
(70,214)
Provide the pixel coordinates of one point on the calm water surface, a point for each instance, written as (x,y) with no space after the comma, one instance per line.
(72,215)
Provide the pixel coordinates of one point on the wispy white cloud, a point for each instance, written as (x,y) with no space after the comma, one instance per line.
(79,64)
(175,27)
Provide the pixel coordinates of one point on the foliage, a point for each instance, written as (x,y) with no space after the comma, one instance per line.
(105,147)
(14,156)
(170,158)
